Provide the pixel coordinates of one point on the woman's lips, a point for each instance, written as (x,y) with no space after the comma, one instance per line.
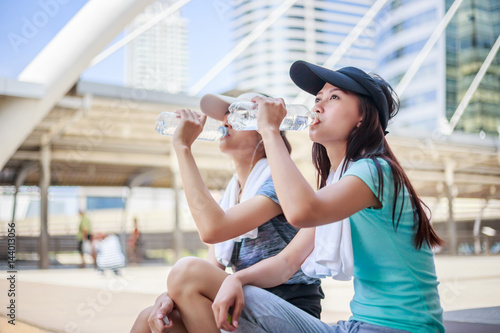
(316,122)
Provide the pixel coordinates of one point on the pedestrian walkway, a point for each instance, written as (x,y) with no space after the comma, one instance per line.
(80,300)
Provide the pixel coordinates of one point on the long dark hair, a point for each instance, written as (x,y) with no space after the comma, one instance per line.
(368,141)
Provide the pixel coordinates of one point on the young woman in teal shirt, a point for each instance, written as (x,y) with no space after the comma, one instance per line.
(395,282)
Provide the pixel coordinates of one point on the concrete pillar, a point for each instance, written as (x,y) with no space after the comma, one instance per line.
(133,182)
(26,169)
(14,205)
(44,205)
(451,225)
(126,196)
(178,237)
(477,228)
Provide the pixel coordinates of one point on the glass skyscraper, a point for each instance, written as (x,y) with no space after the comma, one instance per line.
(312,30)
(439,86)
(405,27)
(469,38)
(158,58)
(309,30)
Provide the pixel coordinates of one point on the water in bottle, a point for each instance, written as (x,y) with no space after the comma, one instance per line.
(243,117)
(167,122)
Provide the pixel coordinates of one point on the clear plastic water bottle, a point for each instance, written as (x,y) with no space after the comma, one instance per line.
(167,122)
(243,117)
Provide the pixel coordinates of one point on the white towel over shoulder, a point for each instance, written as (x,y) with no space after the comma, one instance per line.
(259,174)
(332,254)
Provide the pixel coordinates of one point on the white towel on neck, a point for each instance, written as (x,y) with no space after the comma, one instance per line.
(332,254)
(259,174)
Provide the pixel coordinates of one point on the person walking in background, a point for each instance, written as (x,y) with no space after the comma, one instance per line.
(109,254)
(247,226)
(84,237)
(134,244)
(359,179)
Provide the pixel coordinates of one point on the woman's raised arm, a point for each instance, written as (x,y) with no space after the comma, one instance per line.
(301,204)
(213,223)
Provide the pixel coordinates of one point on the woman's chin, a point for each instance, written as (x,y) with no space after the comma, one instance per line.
(316,137)
(313,135)
(227,148)
(222,145)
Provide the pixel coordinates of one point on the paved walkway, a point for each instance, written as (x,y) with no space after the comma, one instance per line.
(79,300)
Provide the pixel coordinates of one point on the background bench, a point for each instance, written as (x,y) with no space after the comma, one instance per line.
(483,320)
(68,243)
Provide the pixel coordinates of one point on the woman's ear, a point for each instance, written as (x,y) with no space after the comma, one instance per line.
(359,123)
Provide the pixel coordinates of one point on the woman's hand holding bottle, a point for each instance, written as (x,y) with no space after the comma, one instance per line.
(190,126)
(271,113)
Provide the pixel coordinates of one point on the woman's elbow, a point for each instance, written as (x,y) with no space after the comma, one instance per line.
(299,220)
(208,236)
(302,216)
(215,235)
(211,230)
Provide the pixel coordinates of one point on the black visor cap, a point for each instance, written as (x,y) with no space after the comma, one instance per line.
(311,78)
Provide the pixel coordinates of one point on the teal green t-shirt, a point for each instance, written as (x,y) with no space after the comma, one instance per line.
(395,284)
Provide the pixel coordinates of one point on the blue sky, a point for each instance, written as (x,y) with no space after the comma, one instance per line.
(28,25)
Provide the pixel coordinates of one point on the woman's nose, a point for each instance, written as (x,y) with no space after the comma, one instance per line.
(318,108)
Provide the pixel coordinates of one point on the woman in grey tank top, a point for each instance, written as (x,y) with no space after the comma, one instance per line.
(193,283)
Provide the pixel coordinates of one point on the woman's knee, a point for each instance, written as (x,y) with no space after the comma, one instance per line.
(141,323)
(184,276)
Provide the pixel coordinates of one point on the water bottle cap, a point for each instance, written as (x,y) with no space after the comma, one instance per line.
(223,130)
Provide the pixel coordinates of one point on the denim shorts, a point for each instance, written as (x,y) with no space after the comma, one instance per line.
(304,296)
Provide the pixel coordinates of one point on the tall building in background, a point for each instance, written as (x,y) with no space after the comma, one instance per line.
(404,28)
(158,59)
(447,72)
(310,30)
(469,38)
